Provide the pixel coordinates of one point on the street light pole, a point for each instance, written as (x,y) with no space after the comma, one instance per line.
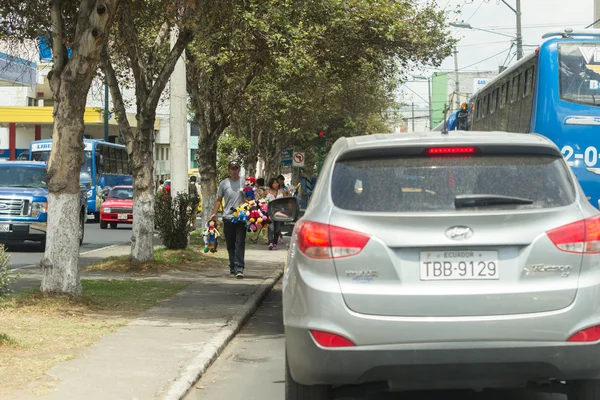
(457,102)
(430,104)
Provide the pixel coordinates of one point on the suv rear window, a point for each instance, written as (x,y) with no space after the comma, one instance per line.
(419,184)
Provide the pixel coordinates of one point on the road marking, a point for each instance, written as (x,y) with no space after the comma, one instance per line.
(80,254)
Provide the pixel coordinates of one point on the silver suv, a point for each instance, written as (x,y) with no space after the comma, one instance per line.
(440,261)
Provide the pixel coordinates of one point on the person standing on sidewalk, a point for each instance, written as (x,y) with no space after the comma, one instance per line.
(274,192)
(231,190)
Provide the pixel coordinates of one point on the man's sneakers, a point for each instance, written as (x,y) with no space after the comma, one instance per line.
(239,275)
(232,274)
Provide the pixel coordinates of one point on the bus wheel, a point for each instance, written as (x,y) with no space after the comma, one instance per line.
(96,217)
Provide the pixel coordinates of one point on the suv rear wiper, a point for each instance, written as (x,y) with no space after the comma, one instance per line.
(482,200)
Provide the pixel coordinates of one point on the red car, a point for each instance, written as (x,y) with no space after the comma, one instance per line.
(117,208)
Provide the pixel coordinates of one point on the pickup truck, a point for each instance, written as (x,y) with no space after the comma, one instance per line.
(24,205)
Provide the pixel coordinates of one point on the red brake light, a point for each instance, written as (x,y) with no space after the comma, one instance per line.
(434,151)
(327,339)
(323,241)
(591,334)
(578,237)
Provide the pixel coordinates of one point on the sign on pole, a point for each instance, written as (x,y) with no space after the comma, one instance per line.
(298,159)
(286,156)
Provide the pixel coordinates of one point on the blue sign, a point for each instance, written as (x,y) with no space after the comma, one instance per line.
(286,163)
(18,70)
(45,48)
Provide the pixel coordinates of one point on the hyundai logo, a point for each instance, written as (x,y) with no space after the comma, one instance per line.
(459,233)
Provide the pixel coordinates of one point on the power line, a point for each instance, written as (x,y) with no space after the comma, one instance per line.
(485,59)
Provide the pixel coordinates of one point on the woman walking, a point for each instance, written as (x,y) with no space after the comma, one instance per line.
(274,192)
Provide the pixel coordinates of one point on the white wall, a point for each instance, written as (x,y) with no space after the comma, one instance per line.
(25,135)
(3,139)
(15,95)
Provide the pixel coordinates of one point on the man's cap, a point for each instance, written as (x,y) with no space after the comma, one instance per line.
(233,163)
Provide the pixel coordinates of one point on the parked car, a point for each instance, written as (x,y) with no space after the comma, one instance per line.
(442,261)
(117,208)
(24,203)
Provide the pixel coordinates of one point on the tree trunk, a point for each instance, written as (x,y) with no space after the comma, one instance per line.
(251,158)
(70,80)
(60,262)
(207,167)
(142,240)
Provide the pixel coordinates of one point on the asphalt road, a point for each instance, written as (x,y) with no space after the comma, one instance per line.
(30,253)
(252,368)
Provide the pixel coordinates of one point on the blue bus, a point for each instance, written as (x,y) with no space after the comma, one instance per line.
(554,92)
(104,165)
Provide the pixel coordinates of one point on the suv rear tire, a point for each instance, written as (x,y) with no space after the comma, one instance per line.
(584,390)
(297,391)
(103,225)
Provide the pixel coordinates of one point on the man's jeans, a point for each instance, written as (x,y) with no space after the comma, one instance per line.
(235,236)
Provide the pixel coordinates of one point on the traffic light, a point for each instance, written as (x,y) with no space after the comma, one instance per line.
(321,139)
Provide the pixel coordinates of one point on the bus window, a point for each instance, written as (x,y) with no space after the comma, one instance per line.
(515,88)
(579,83)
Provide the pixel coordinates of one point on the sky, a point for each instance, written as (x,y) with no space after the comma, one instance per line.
(538,17)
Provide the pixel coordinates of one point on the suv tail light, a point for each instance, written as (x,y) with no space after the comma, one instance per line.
(323,241)
(327,339)
(578,237)
(591,334)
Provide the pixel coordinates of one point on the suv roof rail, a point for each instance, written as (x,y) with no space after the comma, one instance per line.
(569,33)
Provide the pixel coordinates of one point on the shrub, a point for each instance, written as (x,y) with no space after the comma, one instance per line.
(172,219)
(7,277)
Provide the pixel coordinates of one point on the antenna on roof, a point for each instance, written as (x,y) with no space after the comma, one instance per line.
(445,125)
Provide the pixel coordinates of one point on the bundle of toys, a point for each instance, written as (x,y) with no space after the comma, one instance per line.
(253,213)
(210,234)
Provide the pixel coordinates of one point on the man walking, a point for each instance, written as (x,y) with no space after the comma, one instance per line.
(230,189)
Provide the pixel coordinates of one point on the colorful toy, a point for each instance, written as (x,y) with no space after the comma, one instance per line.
(210,234)
(252,213)
(249,190)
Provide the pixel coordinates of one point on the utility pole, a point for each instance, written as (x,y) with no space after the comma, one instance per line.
(456,79)
(519,34)
(178,137)
(413,117)
(105,112)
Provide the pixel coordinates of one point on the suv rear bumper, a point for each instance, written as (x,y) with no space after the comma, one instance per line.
(455,352)
(443,365)
(21,230)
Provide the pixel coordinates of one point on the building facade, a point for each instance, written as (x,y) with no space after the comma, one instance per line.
(443,90)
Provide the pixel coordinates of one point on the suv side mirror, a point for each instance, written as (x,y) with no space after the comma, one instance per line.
(284,209)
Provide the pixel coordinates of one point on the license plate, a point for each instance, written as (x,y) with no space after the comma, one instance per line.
(4,228)
(122,216)
(459,265)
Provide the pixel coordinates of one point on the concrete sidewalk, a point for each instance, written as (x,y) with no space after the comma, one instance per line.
(161,354)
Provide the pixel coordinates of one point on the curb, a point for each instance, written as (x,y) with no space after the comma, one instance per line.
(217,344)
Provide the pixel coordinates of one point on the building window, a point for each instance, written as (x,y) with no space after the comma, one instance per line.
(194,129)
